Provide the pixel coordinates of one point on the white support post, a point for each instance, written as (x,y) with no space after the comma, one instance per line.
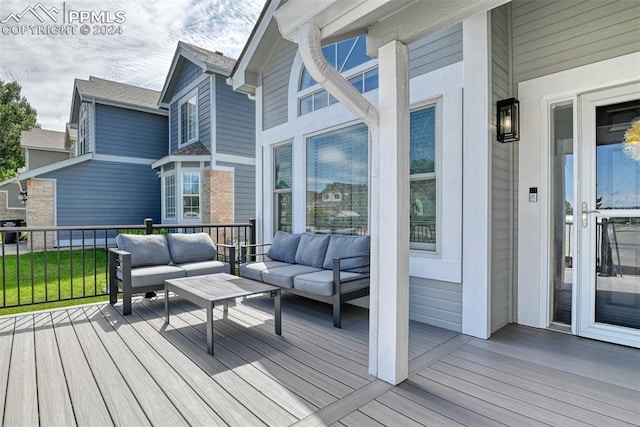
(390,264)
(476,205)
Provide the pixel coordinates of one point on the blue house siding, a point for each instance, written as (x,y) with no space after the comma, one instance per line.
(244,180)
(204,113)
(190,72)
(104,193)
(128,133)
(235,121)
(173,126)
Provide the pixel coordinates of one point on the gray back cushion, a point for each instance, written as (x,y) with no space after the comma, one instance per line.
(192,247)
(312,249)
(149,249)
(283,247)
(345,246)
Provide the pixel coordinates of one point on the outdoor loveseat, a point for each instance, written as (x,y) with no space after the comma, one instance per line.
(328,267)
(141,263)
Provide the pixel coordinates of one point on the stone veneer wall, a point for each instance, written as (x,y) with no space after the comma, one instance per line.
(218,200)
(41,210)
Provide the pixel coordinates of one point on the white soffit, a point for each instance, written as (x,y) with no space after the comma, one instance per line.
(382,20)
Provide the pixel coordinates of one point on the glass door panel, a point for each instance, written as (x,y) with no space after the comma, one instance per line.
(608,279)
(617,291)
(562,212)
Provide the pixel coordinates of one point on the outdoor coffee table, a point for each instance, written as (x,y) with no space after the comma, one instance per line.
(206,290)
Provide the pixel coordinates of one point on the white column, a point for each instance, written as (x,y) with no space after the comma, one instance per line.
(476,204)
(391,263)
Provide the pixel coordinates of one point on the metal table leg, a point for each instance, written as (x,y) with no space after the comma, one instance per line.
(277,311)
(166,304)
(210,328)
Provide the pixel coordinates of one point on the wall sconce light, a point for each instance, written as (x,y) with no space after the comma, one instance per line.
(23,197)
(508,120)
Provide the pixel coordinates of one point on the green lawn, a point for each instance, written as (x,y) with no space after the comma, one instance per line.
(50,277)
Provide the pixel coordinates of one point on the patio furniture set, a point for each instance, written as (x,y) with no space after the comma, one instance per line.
(330,268)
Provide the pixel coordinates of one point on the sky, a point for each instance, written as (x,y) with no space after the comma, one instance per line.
(139,52)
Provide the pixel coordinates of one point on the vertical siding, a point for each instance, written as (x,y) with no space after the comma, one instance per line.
(128,193)
(436,303)
(204,113)
(436,51)
(501,176)
(549,37)
(275,85)
(122,132)
(235,121)
(189,73)
(244,180)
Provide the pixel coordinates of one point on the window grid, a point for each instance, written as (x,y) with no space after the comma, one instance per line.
(422,179)
(190,195)
(188,120)
(84,129)
(283,185)
(170,197)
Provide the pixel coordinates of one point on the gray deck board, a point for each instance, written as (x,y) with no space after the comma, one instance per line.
(87,401)
(7,326)
(21,405)
(249,368)
(245,391)
(93,366)
(54,402)
(137,332)
(136,367)
(122,403)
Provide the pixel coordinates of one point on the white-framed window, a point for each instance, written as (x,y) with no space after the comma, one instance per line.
(83,144)
(348,57)
(283,187)
(191,195)
(170,196)
(423,188)
(188,119)
(338,181)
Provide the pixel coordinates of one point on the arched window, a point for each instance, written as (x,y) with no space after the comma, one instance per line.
(348,57)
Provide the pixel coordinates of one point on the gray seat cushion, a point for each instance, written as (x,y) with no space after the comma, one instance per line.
(312,249)
(191,247)
(347,246)
(154,275)
(253,270)
(283,276)
(145,249)
(321,282)
(283,247)
(204,267)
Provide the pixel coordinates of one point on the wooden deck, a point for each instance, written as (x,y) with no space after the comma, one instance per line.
(89,366)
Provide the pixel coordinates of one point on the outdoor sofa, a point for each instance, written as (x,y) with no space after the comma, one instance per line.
(141,263)
(329,267)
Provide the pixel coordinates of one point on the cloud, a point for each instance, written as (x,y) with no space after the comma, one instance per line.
(45,66)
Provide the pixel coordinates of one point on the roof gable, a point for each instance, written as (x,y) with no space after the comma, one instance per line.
(186,54)
(114,93)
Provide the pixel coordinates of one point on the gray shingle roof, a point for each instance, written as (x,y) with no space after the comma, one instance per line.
(42,139)
(216,59)
(118,92)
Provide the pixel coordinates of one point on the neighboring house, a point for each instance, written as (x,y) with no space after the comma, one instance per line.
(115,132)
(208,173)
(39,147)
(467,233)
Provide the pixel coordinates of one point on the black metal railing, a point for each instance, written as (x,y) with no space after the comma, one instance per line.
(51,264)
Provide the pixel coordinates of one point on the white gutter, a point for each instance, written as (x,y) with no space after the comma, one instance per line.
(310,45)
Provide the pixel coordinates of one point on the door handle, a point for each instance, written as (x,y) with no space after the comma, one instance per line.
(585,214)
